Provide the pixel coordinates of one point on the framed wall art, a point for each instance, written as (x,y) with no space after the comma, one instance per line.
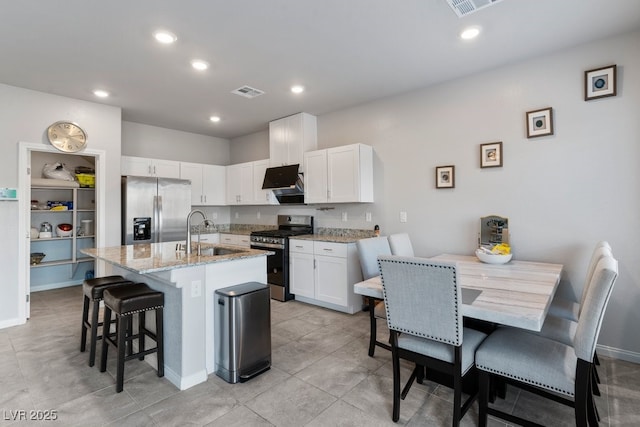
(445,177)
(540,122)
(491,155)
(600,83)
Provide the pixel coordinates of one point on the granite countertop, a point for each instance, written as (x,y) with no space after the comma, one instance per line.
(155,257)
(328,238)
(240,229)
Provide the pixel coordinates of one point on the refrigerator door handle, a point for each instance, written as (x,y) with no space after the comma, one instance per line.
(159,220)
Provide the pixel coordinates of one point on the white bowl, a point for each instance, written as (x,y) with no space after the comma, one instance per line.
(493,259)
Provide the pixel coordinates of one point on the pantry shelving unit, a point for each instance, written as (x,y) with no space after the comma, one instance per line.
(64,264)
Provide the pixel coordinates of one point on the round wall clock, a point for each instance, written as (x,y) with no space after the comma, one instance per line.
(67,136)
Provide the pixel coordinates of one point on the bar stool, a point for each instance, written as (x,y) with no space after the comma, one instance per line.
(93,290)
(125,301)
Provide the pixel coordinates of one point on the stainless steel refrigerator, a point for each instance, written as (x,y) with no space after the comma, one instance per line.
(154,209)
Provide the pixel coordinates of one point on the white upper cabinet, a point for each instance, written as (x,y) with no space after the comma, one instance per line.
(244,184)
(208,183)
(240,184)
(142,166)
(339,175)
(291,137)
(262,197)
(315,179)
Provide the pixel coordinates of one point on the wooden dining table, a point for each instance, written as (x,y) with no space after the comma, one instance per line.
(516,294)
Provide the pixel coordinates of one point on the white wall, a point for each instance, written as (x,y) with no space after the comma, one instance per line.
(25,116)
(248,148)
(562,193)
(168,144)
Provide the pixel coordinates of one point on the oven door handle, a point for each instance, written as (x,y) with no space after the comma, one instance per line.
(266,245)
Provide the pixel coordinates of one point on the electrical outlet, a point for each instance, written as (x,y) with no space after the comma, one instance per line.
(367,216)
(403,216)
(237,215)
(214,215)
(258,215)
(344,216)
(196,288)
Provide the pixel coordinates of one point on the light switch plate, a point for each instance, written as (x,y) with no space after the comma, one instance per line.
(367,216)
(344,216)
(403,216)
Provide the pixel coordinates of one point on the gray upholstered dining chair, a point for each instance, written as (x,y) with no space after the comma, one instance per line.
(569,309)
(368,251)
(561,321)
(423,300)
(546,367)
(401,244)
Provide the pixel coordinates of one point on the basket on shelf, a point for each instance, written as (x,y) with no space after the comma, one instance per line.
(36,257)
(86,180)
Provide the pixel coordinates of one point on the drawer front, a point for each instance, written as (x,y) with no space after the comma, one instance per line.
(243,240)
(209,238)
(228,239)
(330,249)
(301,246)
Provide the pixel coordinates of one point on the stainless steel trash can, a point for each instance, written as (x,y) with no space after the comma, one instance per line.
(242,316)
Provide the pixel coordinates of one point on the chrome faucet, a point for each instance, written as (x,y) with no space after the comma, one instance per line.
(205,221)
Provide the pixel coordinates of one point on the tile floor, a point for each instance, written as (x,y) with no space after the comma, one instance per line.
(320,376)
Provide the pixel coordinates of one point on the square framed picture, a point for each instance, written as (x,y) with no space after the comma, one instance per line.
(600,83)
(540,122)
(445,176)
(491,155)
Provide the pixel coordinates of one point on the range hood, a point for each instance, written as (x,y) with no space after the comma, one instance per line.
(286,184)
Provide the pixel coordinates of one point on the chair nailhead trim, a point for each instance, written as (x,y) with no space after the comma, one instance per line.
(141,310)
(524,380)
(455,281)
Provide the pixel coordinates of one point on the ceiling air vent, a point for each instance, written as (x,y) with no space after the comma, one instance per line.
(248,91)
(465,7)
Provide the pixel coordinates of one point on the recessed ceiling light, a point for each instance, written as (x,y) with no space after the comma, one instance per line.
(297,89)
(165,37)
(101,93)
(214,119)
(199,64)
(470,33)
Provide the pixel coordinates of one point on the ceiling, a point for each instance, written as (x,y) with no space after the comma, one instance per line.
(345,52)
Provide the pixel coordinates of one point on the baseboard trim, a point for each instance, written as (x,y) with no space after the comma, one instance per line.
(11,322)
(617,353)
(182,383)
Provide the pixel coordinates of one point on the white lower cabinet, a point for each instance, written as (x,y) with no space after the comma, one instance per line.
(323,273)
(302,268)
(235,239)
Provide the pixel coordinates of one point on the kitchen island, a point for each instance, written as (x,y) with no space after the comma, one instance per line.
(188,283)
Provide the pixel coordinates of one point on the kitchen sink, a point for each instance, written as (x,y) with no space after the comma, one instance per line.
(213,251)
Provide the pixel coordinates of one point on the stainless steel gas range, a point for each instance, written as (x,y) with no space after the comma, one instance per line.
(278,242)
